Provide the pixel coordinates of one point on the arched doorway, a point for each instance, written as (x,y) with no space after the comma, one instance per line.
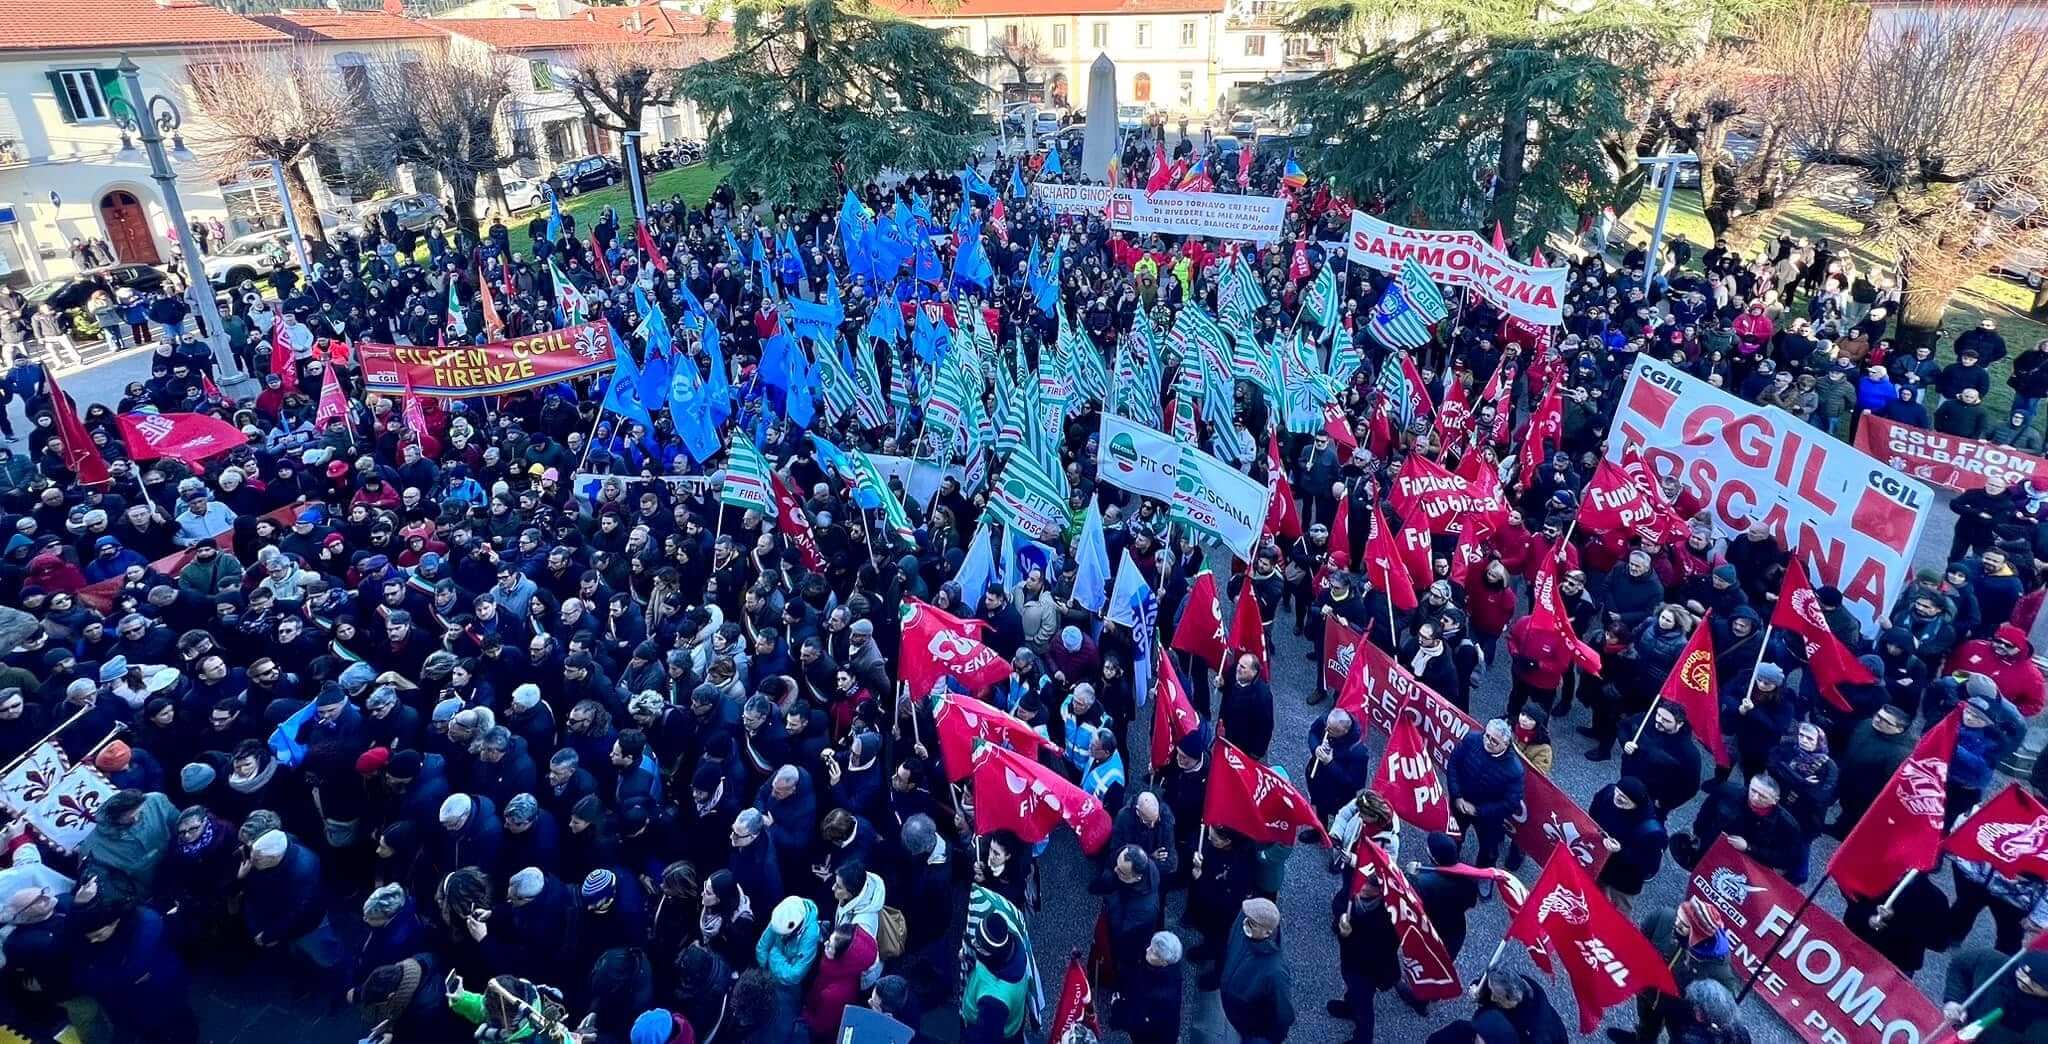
(128,229)
(1141,87)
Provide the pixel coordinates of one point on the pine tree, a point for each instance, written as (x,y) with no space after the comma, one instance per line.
(1458,114)
(819,90)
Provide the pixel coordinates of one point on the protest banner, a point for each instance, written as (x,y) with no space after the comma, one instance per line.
(1462,258)
(1219,214)
(1219,500)
(100,596)
(1950,461)
(1134,457)
(1854,522)
(492,368)
(1827,984)
(1548,818)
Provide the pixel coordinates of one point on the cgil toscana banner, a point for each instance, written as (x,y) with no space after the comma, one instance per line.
(492,368)
(1461,258)
(1950,461)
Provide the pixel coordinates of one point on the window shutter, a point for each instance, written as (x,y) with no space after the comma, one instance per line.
(112,95)
(63,97)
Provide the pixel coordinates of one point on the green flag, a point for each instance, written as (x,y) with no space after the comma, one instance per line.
(747,483)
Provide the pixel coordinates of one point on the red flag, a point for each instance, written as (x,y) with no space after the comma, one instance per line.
(1426,966)
(1499,388)
(1500,238)
(1340,432)
(604,271)
(648,247)
(333,406)
(1297,268)
(937,644)
(1164,174)
(1384,568)
(1283,516)
(1408,778)
(1901,830)
(1173,714)
(1247,633)
(81,455)
(964,721)
(1831,662)
(1340,539)
(1013,792)
(1433,498)
(1454,416)
(281,357)
(1605,957)
(1199,632)
(494,326)
(795,525)
(1247,796)
(188,437)
(1545,428)
(2010,832)
(1668,524)
(415,410)
(510,284)
(1694,685)
(1475,546)
(1513,896)
(1548,607)
(1618,500)
(1077,1002)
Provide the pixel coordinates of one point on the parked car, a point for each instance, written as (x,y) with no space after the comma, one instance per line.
(1131,117)
(1046,122)
(583,173)
(248,257)
(72,291)
(524,193)
(414,212)
(1245,122)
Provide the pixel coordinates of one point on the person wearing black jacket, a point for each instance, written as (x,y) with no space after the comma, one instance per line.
(1131,906)
(1339,766)
(1754,823)
(1873,752)
(1147,999)
(1446,897)
(1368,954)
(1903,927)
(1663,756)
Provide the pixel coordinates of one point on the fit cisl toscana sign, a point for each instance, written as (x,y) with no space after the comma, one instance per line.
(1853,520)
(491,368)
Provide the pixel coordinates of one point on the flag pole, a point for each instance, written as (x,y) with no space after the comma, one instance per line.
(1654,700)
(33,747)
(1897,890)
(1764,962)
(1989,981)
(1498,950)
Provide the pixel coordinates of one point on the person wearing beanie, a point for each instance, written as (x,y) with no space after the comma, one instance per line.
(126,961)
(388,931)
(993,1000)
(661,1026)
(407,997)
(1755,716)
(1694,942)
(420,783)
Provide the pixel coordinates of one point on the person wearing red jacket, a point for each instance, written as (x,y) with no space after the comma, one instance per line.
(1490,601)
(2007,657)
(1538,660)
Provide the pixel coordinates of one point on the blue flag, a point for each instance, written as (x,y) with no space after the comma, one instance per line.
(1018,190)
(1052,165)
(885,324)
(778,362)
(928,270)
(661,344)
(856,226)
(802,404)
(1091,562)
(972,267)
(930,341)
(976,569)
(717,396)
(973,184)
(622,396)
(554,216)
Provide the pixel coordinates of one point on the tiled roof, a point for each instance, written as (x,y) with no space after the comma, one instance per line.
(348,26)
(656,21)
(1048,8)
(535,34)
(106,25)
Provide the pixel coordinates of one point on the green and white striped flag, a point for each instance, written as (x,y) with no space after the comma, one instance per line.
(945,416)
(869,375)
(843,393)
(1086,374)
(1199,340)
(1029,498)
(1323,303)
(747,483)
(1422,293)
(868,477)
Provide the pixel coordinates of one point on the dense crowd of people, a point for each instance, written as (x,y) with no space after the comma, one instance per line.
(429,722)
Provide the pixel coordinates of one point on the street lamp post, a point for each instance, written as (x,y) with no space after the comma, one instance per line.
(1667,168)
(150,118)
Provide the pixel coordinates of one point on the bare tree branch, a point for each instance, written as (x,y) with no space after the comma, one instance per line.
(441,112)
(262,104)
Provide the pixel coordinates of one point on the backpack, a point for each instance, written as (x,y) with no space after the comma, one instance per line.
(891,930)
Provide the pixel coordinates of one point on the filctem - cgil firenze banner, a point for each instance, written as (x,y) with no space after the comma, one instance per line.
(492,368)
(1459,257)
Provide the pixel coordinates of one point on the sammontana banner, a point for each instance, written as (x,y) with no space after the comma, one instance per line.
(1462,258)
(492,368)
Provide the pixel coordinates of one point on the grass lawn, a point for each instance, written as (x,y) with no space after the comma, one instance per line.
(1985,297)
(694,183)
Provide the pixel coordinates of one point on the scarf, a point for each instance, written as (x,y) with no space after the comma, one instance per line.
(209,830)
(711,922)
(254,783)
(1808,763)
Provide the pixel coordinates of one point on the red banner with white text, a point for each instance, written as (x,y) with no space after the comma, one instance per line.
(492,368)
(1945,460)
(1827,984)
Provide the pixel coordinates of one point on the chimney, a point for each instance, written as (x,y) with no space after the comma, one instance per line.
(395,8)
